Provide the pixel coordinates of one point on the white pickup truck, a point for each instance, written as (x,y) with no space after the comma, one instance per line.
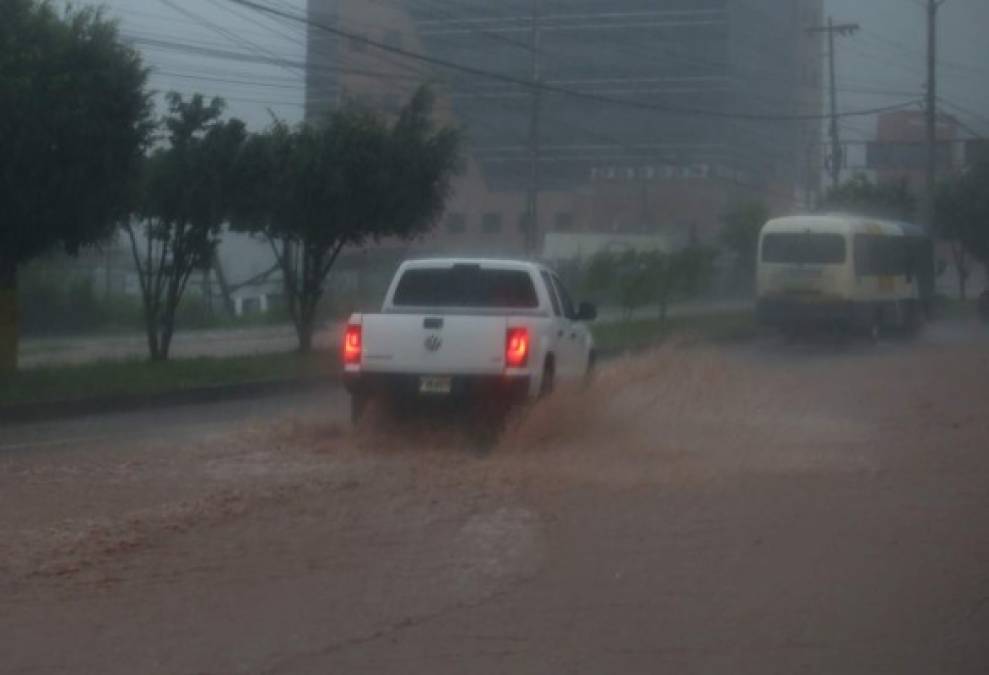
(459,329)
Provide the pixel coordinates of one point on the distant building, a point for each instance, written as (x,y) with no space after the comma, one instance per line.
(976,151)
(899,152)
(603,167)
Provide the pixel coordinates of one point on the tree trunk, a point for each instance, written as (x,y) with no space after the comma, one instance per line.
(306,325)
(165,346)
(305,333)
(151,328)
(9,324)
(961,266)
(166,322)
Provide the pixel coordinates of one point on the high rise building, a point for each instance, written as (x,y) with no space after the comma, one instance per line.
(650,115)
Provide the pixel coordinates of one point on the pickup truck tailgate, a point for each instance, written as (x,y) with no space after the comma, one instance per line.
(422,344)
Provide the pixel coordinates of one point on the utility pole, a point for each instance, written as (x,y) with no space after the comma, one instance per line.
(837,160)
(931,112)
(532,200)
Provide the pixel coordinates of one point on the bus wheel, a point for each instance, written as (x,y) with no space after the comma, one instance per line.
(875,328)
(913,319)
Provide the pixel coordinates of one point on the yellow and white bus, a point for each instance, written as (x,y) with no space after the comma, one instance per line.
(846,271)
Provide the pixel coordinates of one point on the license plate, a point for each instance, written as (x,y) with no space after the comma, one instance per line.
(435,385)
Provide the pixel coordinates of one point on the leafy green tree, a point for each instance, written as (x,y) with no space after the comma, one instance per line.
(880,200)
(310,191)
(640,276)
(74,121)
(740,229)
(600,273)
(962,216)
(188,192)
(635,279)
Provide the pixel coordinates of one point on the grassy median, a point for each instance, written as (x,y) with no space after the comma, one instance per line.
(642,333)
(141,377)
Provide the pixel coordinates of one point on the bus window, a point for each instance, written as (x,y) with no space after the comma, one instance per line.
(876,255)
(804,248)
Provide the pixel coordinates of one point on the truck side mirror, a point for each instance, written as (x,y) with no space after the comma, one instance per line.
(587,312)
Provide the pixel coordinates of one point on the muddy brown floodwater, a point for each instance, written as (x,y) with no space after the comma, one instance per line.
(694,511)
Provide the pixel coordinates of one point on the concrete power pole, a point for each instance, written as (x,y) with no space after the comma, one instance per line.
(532,198)
(837,160)
(931,112)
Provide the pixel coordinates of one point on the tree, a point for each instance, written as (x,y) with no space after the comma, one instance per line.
(880,200)
(74,122)
(962,216)
(188,190)
(636,279)
(740,229)
(315,189)
(640,277)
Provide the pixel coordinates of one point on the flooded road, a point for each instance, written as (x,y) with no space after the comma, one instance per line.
(698,510)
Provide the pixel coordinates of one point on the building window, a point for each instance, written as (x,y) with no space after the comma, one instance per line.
(456,223)
(563,222)
(491,223)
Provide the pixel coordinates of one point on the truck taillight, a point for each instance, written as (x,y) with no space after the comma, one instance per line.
(352,345)
(517,348)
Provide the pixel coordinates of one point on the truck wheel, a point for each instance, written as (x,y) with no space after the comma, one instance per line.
(549,376)
(592,364)
(358,406)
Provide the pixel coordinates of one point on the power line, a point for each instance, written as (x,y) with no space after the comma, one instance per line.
(399,51)
(967,111)
(233,37)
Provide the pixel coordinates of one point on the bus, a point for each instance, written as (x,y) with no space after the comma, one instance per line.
(844,271)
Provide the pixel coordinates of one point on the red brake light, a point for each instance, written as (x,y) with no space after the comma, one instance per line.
(352,345)
(517,348)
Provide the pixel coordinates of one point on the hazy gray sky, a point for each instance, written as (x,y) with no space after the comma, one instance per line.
(890,55)
(883,64)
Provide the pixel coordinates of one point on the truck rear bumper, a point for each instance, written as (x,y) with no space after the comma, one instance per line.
(501,388)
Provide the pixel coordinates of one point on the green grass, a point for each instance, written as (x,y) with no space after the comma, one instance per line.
(953,308)
(642,333)
(140,377)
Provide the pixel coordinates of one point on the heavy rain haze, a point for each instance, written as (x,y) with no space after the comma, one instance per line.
(494,336)
(885,63)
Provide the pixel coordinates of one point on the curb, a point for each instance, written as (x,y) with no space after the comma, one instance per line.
(27,413)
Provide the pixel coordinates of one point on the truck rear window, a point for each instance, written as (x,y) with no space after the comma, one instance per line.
(466,286)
